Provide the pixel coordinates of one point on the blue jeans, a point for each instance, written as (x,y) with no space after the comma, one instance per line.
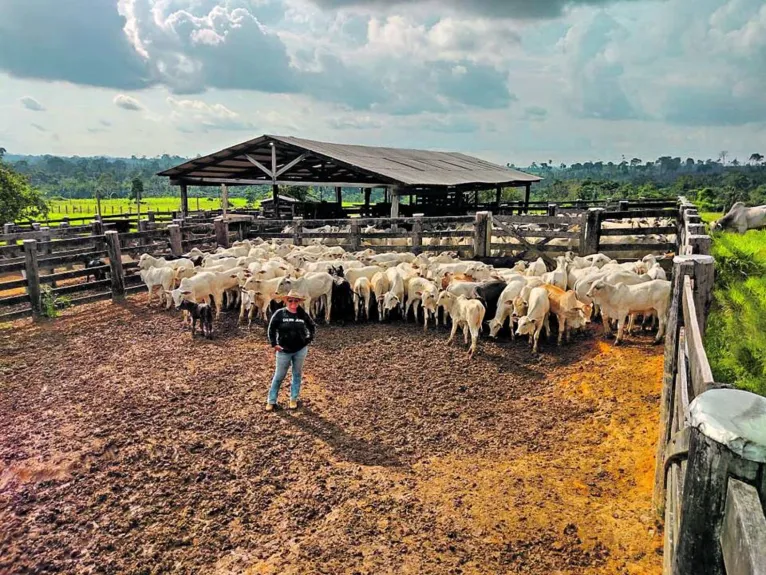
(284,360)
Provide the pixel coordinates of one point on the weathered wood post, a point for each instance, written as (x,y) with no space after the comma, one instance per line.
(552,210)
(97,228)
(8,228)
(727,441)
(482,234)
(355,235)
(221,232)
(176,242)
(624,205)
(143,226)
(45,239)
(150,216)
(590,235)
(33,276)
(700,244)
(417,234)
(115,265)
(297,231)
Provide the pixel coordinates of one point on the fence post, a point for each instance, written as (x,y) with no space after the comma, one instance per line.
(704,277)
(116,272)
(481,234)
(725,442)
(590,234)
(97,228)
(624,204)
(33,276)
(552,210)
(150,216)
(682,267)
(176,244)
(355,235)
(297,231)
(700,244)
(221,232)
(417,235)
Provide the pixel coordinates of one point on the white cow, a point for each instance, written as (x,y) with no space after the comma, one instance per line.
(465,313)
(741,218)
(621,300)
(536,316)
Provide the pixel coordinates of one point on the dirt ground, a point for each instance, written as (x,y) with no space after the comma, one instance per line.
(126,447)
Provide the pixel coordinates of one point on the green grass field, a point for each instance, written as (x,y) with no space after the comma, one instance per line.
(710,217)
(736,339)
(61,208)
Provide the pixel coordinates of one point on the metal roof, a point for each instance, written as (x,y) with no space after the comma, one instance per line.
(313,162)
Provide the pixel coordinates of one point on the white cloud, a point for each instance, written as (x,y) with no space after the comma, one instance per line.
(127,103)
(31,104)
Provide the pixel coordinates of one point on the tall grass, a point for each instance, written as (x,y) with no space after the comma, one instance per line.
(736,333)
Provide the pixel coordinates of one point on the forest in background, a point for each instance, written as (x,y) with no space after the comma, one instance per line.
(714,184)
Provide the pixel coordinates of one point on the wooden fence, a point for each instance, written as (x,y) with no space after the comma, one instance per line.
(35,266)
(710,489)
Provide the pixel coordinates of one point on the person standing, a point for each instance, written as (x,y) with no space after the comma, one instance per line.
(290,331)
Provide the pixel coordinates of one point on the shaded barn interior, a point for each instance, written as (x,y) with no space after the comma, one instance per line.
(435,183)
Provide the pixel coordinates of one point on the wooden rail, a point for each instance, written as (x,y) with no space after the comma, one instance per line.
(709,493)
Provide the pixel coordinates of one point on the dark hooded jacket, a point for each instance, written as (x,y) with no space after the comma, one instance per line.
(291,331)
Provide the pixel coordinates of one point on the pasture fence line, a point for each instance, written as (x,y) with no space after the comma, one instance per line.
(710,479)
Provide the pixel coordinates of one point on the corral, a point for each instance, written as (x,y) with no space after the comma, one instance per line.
(128,447)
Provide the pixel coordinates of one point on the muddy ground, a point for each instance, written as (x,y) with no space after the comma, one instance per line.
(126,447)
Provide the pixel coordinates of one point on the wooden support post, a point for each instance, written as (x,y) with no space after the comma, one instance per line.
(355,236)
(8,227)
(339,197)
(221,232)
(367,193)
(498,195)
(143,226)
(184,200)
(224,199)
(590,234)
(150,216)
(527,191)
(743,534)
(115,265)
(394,202)
(704,277)
(33,276)
(552,209)
(417,235)
(482,234)
(274,186)
(97,228)
(45,240)
(624,205)
(176,240)
(297,231)
(737,419)
(681,267)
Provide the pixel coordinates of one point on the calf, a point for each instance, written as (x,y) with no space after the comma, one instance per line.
(568,311)
(416,289)
(467,314)
(162,278)
(98,274)
(536,317)
(488,294)
(201,312)
(342,300)
(505,306)
(362,290)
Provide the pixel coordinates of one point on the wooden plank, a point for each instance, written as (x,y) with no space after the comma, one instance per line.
(541,220)
(658,247)
(545,234)
(50,278)
(332,235)
(76,257)
(90,298)
(147,248)
(702,375)
(743,534)
(667,230)
(445,234)
(543,248)
(672,507)
(643,213)
(14,300)
(14,284)
(14,315)
(12,267)
(33,276)
(117,274)
(84,286)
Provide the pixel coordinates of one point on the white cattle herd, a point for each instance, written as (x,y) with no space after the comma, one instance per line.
(471,295)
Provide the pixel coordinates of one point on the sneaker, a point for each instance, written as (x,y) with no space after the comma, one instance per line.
(293,404)
(269,407)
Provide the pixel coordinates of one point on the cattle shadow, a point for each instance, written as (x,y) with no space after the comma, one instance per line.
(345,446)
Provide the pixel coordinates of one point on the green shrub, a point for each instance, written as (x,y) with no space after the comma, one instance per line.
(736,338)
(51,303)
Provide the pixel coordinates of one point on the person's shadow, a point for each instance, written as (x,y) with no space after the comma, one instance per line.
(344,446)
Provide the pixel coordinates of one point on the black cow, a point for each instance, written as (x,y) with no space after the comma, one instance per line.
(342,300)
(201,312)
(98,274)
(489,293)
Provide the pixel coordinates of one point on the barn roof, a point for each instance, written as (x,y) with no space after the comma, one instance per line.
(309,162)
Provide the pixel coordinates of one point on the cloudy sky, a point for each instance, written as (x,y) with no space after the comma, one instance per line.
(510,80)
